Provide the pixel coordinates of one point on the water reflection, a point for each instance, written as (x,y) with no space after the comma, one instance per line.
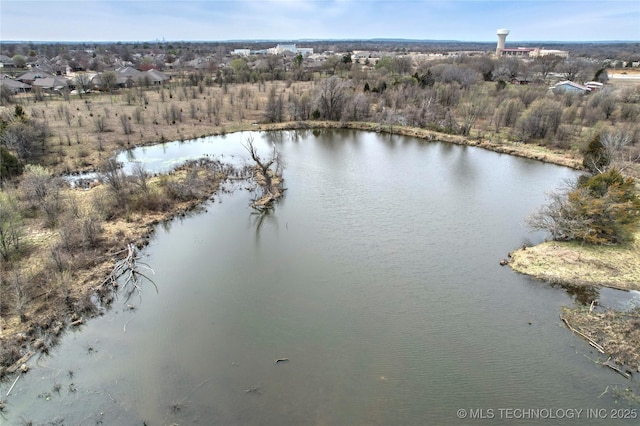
(378,278)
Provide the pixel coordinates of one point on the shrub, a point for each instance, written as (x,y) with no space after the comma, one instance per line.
(602,209)
(9,164)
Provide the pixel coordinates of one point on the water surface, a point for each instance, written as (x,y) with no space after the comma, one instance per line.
(377,276)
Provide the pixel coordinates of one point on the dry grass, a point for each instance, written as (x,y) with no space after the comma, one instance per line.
(582,264)
(89,130)
(617,332)
(54,297)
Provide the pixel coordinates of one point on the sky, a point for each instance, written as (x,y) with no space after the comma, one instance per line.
(220,20)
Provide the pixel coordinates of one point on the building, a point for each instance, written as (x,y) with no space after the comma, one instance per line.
(241,52)
(569,86)
(523,52)
(517,51)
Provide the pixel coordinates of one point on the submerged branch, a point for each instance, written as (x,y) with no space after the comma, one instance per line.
(127,271)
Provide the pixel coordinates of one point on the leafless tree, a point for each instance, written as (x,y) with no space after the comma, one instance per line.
(101,124)
(470,110)
(300,106)
(83,83)
(141,178)
(10,225)
(357,108)
(617,148)
(25,137)
(542,119)
(332,96)
(43,191)
(126,124)
(268,174)
(559,218)
(274,110)
(115,179)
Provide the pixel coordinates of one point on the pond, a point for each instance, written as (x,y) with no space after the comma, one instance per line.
(377,278)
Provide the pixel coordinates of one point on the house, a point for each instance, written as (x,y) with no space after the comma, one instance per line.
(51,83)
(594,85)
(6,62)
(569,86)
(155,76)
(31,76)
(13,85)
(520,81)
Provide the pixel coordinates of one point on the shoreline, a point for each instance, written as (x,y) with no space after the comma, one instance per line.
(141,226)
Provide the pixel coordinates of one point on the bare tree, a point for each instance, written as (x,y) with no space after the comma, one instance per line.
(559,219)
(274,110)
(108,81)
(268,175)
(300,106)
(126,124)
(544,65)
(577,69)
(141,178)
(617,148)
(331,98)
(470,110)
(25,137)
(42,191)
(115,179)
(10,225)
(542,119)
(83,83)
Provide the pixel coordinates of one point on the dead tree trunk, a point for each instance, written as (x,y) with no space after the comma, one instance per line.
(268,175)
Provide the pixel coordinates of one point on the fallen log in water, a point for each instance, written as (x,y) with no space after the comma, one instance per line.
(589,340)
(16,365)
(612,366)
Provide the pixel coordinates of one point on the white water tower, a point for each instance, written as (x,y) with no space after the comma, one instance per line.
(502,38)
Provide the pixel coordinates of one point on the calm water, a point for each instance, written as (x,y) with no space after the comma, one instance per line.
(377,276)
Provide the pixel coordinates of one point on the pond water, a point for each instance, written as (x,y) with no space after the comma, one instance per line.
(377,277)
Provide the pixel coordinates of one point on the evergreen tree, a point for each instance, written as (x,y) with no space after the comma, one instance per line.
(595,158)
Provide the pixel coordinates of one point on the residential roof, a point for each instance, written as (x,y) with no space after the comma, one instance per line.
(129,72)
(51,83)
(156,75)
(33,75)
(13,85)
(571,85)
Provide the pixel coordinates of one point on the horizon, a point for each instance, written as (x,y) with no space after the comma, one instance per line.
(461,21)
(337,40)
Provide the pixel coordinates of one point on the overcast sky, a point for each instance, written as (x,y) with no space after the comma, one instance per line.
(213,20)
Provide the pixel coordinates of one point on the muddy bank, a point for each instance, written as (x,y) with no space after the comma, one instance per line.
(49,313)
(614,334)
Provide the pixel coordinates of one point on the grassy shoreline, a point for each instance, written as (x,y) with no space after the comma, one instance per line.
(576,264)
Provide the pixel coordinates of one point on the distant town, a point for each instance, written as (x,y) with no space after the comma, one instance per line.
(55,67)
